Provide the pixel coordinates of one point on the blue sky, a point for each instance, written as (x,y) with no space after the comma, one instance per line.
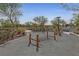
(31,10)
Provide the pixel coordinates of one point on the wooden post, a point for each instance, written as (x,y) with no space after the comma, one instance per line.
(47,34)
(37,43)
(29,39)
(54,36)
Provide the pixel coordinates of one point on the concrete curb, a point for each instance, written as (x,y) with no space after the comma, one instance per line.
(74,34)
(71,33)
(3,44)
(67,33)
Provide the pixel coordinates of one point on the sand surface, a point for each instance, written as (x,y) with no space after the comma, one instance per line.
(66,45)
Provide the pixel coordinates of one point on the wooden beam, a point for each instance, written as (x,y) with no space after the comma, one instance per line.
(29,39)
(37,43)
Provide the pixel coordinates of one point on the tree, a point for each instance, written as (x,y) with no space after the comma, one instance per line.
(28,23)
(5,23)
(76,23)
(57,24)
(10,10)
(76,19)
(71,6)
(63,22)
(40,21)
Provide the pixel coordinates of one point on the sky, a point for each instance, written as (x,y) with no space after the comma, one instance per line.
(49,10)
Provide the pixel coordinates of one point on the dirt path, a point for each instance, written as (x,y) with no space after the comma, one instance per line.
(67,45)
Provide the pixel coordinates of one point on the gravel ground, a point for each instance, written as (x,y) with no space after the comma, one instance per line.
(66,45)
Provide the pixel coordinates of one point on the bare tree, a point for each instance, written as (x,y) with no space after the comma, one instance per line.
(40,21)
(10,10)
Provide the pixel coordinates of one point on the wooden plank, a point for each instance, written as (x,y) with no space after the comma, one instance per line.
(29,40)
